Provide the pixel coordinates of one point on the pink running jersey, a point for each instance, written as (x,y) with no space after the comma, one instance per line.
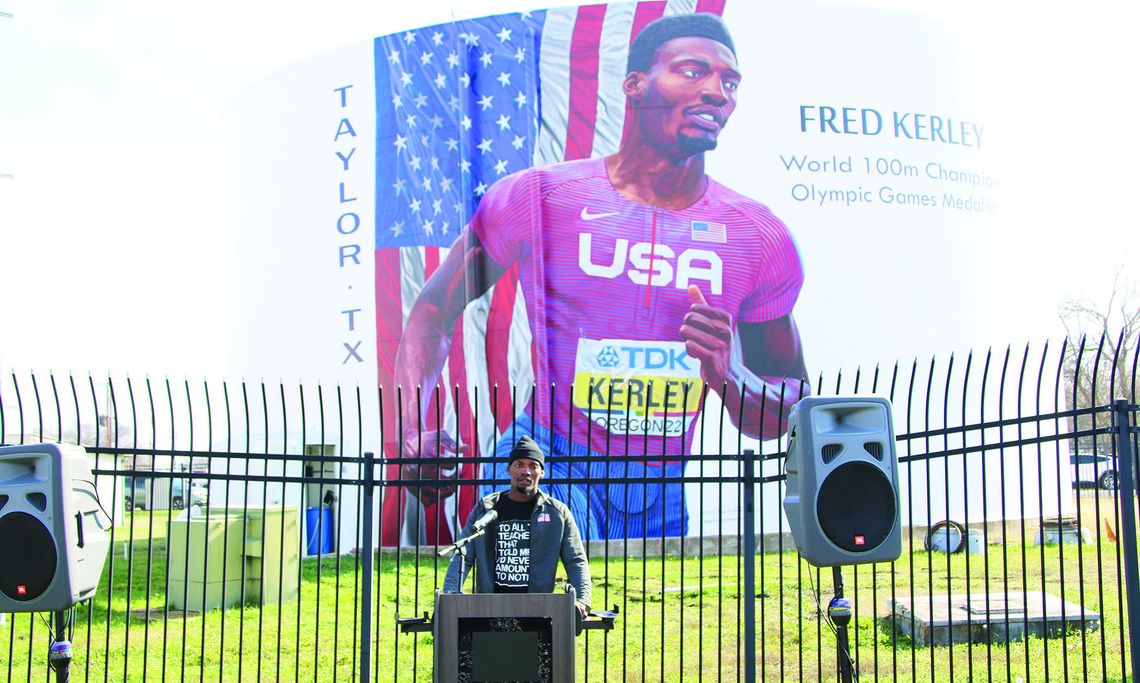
(605,281)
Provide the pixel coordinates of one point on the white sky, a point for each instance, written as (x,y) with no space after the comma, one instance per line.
(111,116)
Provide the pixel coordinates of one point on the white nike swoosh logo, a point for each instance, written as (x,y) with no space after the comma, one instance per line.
(587,216)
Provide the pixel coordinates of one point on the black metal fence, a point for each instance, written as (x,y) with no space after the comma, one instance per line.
(256,536)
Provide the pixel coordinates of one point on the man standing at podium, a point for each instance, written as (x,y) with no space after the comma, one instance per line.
(526,533)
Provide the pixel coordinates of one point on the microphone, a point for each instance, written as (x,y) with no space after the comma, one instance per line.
(484,521)
(478,528)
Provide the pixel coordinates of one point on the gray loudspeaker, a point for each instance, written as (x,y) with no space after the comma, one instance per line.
(842,487)
(53,532)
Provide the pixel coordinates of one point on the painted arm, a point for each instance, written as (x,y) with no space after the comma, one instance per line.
(464,276)
(765,365)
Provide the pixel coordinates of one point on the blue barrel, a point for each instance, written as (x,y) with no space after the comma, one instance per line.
(318,530)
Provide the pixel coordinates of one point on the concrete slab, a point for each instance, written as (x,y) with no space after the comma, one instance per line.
(981,617)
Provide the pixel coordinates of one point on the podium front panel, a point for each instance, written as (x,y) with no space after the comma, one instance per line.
(491,638)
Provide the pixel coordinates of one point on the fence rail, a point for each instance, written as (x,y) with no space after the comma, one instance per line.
(310,529)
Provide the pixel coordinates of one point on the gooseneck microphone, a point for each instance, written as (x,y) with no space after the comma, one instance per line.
(477,530)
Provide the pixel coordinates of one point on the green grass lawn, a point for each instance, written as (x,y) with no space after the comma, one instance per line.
(680,618)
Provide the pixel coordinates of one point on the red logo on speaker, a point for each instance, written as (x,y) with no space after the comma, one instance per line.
(21,589)
(859,540)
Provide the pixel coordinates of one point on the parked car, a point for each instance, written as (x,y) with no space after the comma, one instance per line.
(1094,470)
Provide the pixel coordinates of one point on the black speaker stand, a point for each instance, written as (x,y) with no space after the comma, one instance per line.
(59,653)
(839,612)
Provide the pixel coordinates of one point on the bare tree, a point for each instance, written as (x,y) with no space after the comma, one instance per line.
(1100,357)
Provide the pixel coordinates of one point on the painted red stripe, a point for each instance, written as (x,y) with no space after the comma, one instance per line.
(389,321)
(711,6)
(456,362)
(431,261)
(498,346)
(389,327)
(645,13)
(584,48)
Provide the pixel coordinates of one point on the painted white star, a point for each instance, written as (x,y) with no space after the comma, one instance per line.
(409,37)
(420,100)
(465,122)
(440,80)
(397,229)
(484,145)
(398,185)
(394,56)
(429,229)
(400,142)
(458,207)
(443,229)
(525,14)
(453,59)
(452,144)
(410,120)
(414,206)
(504,35)
(503,122)
(436,121)
(405,79)
(485,102)
(521,99)
(425,57)
(485,58)
(480,190)
(435,163)
(427,184)
(414,162)
(465,166)
(470,39)
(437,38)
(501,167)
(504,79)
(397,101)
(424,140)
(517,143)
(465,79)
(520,55)
(445,184)
(453,103)
(437,207)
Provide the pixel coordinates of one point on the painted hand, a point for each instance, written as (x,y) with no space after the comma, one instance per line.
(431,444)
(707,333)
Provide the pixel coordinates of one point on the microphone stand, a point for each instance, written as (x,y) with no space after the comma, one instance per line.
(460,546)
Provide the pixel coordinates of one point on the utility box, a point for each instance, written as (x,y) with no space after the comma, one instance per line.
(209,553)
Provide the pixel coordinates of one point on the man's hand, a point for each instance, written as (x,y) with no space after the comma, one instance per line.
(431,444)
(707,333)
(583,609)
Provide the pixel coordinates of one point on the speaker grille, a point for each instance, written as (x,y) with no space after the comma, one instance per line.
(856,507)
(29,557)
(875,449)
(38,500)
(830,452)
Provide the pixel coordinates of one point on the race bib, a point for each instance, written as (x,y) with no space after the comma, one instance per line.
(637,387)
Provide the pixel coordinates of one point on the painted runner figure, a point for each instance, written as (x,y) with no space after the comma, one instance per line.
(644,281)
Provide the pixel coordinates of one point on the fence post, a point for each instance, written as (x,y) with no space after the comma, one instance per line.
(369,485)
(749,512)
(1125,463)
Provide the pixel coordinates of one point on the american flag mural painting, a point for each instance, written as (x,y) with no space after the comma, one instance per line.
(459,106)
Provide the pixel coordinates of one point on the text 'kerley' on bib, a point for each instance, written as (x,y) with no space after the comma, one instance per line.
(637,387)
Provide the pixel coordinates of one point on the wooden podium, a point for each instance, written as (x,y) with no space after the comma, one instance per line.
(504,637)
